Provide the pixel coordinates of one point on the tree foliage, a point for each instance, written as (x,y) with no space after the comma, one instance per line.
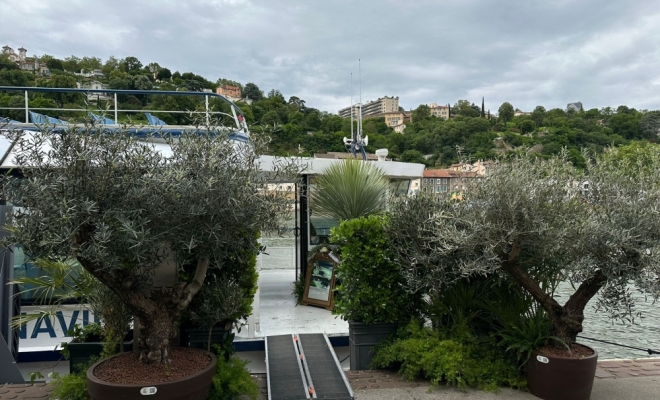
(124,208)
(542,222)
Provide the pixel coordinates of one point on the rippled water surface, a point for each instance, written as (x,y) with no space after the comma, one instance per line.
(644,333)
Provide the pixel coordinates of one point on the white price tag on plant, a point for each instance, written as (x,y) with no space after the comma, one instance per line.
(148,391)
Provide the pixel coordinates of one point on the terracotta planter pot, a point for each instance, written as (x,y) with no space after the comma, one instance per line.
(193,387)
(561,378)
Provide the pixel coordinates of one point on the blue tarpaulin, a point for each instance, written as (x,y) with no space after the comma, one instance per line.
(154,121)
(101,120)
(42,119)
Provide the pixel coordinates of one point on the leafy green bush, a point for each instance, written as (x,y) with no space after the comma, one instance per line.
(231,380)
(372,288)
(70,387)
(426,353)
(298,290)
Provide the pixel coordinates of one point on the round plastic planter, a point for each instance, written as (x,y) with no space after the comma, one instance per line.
(561,378)
(193,387)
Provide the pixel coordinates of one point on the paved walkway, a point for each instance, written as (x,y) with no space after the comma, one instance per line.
(27,391)
(611,383)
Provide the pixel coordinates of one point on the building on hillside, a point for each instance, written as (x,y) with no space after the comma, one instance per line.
(415,186)
(451,181)
(439,111)
(519,112)
(24,62)
(480,167)
(577,106)
(445,182)
(96,73)
(95,85)
(394,119)
(231,92)
(382,105)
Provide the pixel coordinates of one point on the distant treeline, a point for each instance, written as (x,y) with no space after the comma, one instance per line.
(300,130)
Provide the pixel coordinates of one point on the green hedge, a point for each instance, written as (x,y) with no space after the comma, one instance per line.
(371,286)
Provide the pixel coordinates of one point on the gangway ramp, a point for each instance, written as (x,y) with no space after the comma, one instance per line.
(304,367)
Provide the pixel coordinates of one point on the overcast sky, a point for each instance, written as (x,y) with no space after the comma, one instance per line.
(527,52)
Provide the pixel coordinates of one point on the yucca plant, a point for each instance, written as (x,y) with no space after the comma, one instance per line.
(349,189)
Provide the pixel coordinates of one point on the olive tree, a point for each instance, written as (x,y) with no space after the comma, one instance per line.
(126,208)
(539,223)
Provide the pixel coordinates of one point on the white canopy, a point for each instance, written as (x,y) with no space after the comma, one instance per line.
(312,166)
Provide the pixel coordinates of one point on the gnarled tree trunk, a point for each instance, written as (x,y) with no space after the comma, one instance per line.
(157,311)
(566,320)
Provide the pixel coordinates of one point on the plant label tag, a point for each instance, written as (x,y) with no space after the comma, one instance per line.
(148,391)
(542,359)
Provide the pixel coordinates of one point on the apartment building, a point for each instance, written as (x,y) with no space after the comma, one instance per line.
(439,111)
(382,105)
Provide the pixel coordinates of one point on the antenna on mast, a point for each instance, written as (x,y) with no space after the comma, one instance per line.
(352,134)
(356,143)
(360,116)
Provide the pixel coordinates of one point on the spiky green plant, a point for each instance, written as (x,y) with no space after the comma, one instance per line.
(349,189)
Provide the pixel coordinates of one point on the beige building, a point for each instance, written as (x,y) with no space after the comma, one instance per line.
(23,61)
(439,111)
(395,119)
(480,168)
(382,105)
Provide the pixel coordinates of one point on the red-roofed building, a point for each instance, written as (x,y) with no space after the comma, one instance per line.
(445,182)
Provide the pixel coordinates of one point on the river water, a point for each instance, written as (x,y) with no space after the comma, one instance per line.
(643,333)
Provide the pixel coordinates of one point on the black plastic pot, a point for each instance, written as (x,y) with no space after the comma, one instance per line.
(363,338)
(80,354)
(198,338)
(561,378)
(193,387)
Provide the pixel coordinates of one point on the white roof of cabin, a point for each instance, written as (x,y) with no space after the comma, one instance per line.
(311,166)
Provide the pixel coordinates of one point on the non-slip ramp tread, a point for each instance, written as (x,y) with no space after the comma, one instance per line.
(284,378)
(329,382)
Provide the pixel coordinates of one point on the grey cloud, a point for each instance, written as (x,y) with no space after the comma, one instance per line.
(525,52)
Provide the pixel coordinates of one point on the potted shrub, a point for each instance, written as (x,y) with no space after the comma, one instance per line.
(148,224)
(372,295)
(113,335)
(225,299)
(369,293)
(545,221)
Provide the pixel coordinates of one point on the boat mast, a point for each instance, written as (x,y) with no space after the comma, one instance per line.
(352,134)
(359,133)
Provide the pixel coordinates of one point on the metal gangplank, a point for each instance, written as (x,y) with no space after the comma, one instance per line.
(304,366)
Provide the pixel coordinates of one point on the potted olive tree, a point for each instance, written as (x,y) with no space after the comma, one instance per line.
(539,221)
(371,295)
(148,220)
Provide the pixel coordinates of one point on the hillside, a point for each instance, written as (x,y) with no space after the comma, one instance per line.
(296,128)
